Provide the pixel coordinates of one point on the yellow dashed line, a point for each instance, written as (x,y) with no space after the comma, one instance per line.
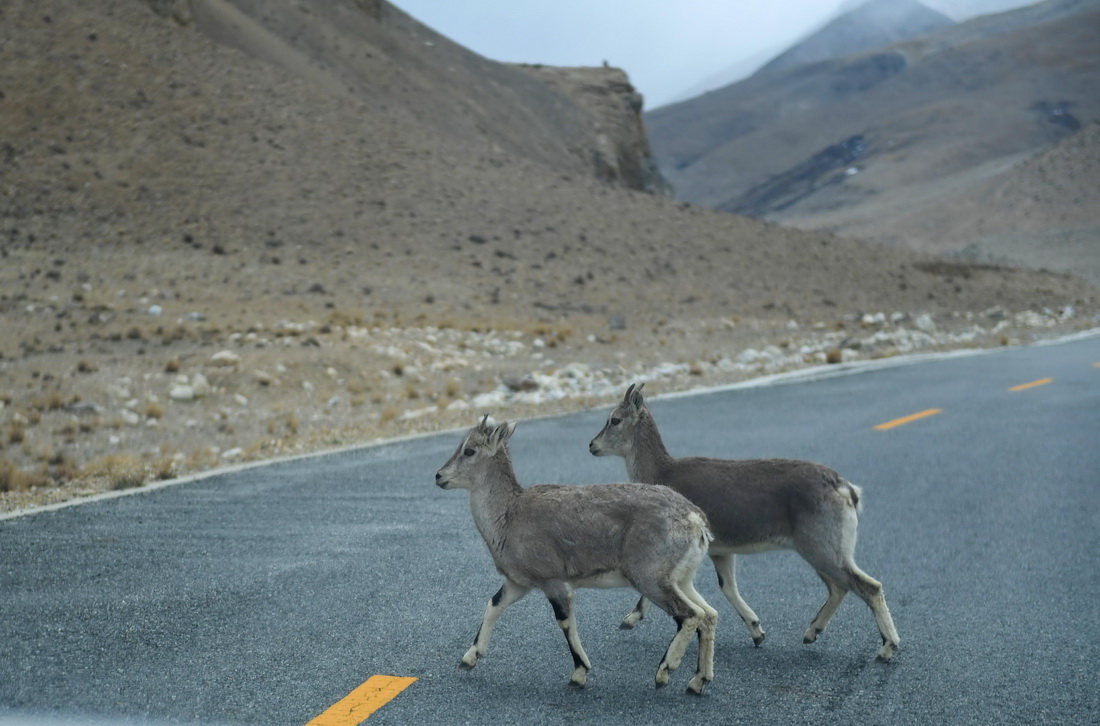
(907,419)
(354,708)
(1033,384)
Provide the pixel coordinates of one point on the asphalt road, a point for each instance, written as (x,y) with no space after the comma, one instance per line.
(265,596)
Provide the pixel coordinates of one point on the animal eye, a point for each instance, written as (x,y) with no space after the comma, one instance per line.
(616,421)
(468,452)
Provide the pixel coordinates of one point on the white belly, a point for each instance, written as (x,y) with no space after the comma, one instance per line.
(750,548)
(613,578)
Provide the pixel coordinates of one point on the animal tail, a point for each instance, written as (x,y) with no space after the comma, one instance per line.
(852,494)
(699,522)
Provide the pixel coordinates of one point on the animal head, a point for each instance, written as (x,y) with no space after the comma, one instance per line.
(617,435)
(475,456)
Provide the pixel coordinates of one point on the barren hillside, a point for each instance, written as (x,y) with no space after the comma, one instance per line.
(209,256)
(1043,212)
(852,145)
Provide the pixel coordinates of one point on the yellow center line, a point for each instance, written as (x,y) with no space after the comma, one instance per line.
(1033,384)
(354,708)
(907,419)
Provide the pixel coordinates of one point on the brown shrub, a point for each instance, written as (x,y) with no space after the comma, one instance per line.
(14,479)
(122,471)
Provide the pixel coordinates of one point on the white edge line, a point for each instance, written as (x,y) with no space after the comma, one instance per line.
(804,375)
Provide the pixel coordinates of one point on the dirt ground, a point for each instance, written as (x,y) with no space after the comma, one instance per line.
(205,260)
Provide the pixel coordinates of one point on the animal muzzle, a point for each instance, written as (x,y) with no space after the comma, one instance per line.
(594,448)
(440,481)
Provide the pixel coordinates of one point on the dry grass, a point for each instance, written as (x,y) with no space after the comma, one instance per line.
(122,471)
(14,479)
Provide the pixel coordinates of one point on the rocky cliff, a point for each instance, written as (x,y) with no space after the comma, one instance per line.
(577,120)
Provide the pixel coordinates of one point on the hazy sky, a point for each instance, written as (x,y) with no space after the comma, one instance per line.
(670,49)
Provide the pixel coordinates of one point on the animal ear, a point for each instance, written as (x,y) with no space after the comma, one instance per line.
(502,433)
(634,396)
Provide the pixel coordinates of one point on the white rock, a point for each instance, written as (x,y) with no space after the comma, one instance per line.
(200,385)
(182,393)
(130,418)
(925,323)
(241,400)
(575,370)
(232,453)
(225,358)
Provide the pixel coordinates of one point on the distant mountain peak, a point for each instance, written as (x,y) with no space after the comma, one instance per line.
(866,25)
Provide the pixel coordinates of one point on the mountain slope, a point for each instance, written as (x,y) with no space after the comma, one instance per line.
(1044,212)
(373,50)
(863,139)
(870,25)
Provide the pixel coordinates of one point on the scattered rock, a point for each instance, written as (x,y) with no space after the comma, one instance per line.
(200,385)
(180,392)
(520,383)
(225,358)
(925,323)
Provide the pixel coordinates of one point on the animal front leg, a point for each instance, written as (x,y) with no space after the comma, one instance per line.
(727,580)
(508,593)
(636,614)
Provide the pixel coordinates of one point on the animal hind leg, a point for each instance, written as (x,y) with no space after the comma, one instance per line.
(704,671)
(828,609)
(687,615)
(724,566)
(870,590)
(560,596)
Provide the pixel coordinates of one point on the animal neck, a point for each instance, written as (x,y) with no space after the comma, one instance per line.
(490,502)
(648,456)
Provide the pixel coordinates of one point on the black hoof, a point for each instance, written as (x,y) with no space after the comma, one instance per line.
(625,626)
(464,666)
